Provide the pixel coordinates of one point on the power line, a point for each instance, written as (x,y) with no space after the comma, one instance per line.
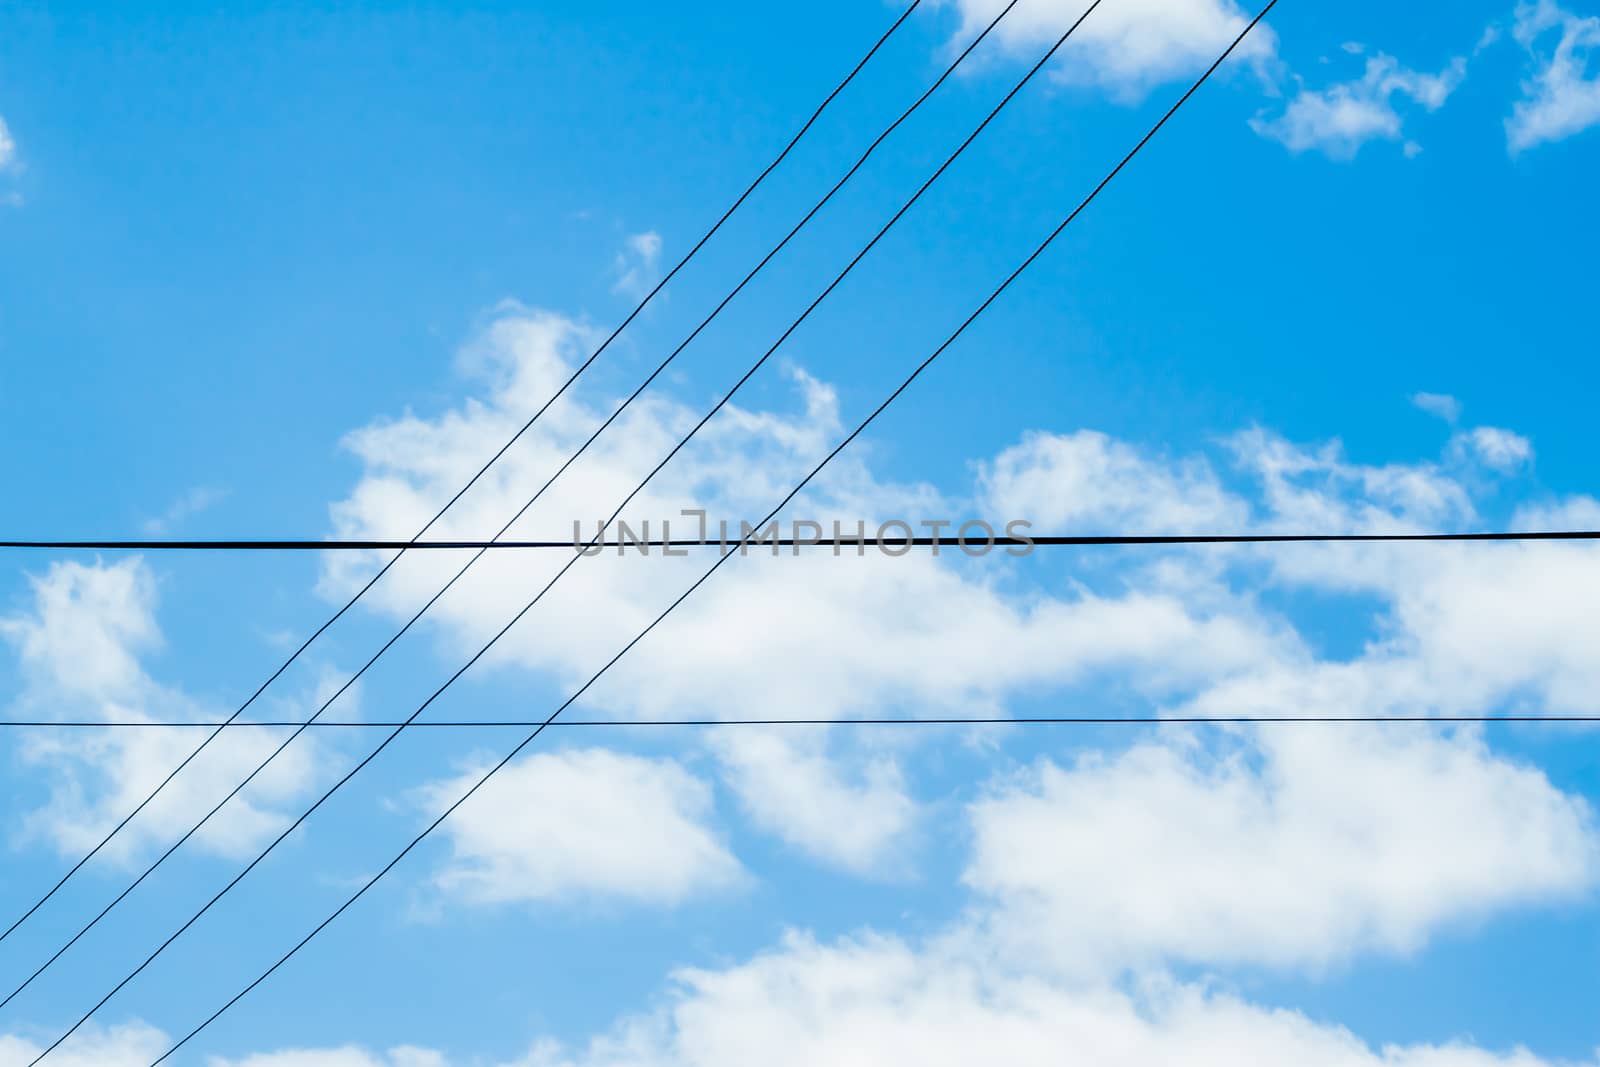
(1001,541)
(722,559)
(693,251)
(998,720)
(559,574)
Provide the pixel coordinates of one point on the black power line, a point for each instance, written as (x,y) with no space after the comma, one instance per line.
(1001,541)
(997,720)
(481,471)
(559,574)
(721,559)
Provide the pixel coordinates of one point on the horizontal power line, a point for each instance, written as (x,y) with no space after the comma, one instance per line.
(1058,720)
(999,541)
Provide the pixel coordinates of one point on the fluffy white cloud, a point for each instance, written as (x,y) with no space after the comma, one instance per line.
(853,810)
(751,639)
(1456,628)
(805,635)
(79,650)
(1562,97)
(1127,47)
(1087,482)
(873,1000)
(86,631)
(1500,450)
(584,823)
(1300,847)
(1464,629)
(1340,119)
(1317,489)
(130,1045)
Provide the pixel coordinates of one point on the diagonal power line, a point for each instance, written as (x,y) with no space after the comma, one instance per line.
(984,306)
(682,443)
(481,471)
(484,546)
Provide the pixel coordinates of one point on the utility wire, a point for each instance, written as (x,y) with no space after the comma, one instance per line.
(1001,541)
(599,534)
(481,471)
(721,559)
(1018,720)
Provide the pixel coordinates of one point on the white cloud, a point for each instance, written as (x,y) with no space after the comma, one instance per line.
(1562,97)
(1318,489)
(872,1000)
(1500,450)
(79,650)
(1463,629)
(1087,482)
(129,1045)
(1340,119)
(876,1000)
(8,147)
(1301,847)
(1127,47)
(581,824)
(1442,405)
(855,817)
(638,265)
(87,628)
(790,612)
(1466,629)
(751,642)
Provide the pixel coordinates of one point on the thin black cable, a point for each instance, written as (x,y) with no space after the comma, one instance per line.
(238,788)
(721,559)
(566,567)
(1000,541)
(1016,720)
(481,471)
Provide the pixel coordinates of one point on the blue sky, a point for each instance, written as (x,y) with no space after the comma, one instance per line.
(276,273)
